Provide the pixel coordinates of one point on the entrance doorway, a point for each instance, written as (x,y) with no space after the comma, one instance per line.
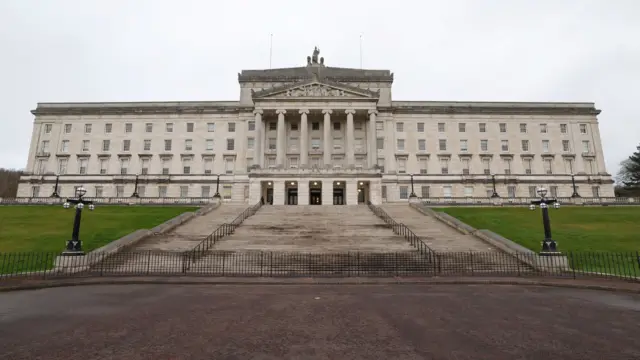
(339,193)
(292,193)
(315,193)
(266,193)
(363,192)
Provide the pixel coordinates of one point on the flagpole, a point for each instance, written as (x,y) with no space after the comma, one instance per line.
(360,51)
(270,49)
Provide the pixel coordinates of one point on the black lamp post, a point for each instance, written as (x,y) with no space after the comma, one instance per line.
(575,189)
(548,244)
(217,195)
(413,194)
(55,188)
(135,188)
(493,181)
(74,246)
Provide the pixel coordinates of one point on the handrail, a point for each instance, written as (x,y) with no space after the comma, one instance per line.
(402,229)
(223,230)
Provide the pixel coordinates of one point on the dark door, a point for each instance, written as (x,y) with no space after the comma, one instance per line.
(338,196)
(270,196)
(315,197)
(361,196)
(292,196)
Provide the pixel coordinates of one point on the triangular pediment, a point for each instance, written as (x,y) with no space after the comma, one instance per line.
(315,89)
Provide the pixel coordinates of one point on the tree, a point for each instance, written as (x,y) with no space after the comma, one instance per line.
(629,174)
(9,182)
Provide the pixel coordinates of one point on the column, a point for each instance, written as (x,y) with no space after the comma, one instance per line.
(373,151)
(303,191)
(279,196)
(327,192)
(328,140)
(259,146)
(304,138)
(351,197)
(280,142)
(350,138)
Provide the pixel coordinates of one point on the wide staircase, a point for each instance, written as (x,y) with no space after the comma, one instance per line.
(311,239)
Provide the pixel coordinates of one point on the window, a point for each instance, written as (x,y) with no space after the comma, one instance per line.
(293,162)
(400,143)
(553,191)
(380,143)
(144,166)
(465,166)
(44,146)
(511,191)
(148,127)
(358,144)
(503,127)
(231,127)
(591,168)
(444,166)
(104,166)
(462,127)
(482,127)
(209,144)
(186,166)
(141,190)
(47,128)
(504,145)
(231,144)
(423,163)
(315,161)
(41,167)
(87,128)
(484,145)
(67,128)
(205,191)
(168,127)
(108,128)
(35,191)
(595,191)
(124,166)
(211,127)
(404,192)
(468,191)
(166,164)
(563,128)
(357,125)
(65,146)
(447,191)
(420,127)
(384,191)
(99,191)
(86,144)
(568,166)
(82,166)
(128,127)
(337,143)
(162,191)
(543,128)
(250,143)
(525,145)
(315,144)
(424,191)
(315,126)
(545,146)
(586,146)
(273,126)
(442,144)
(528,167)
(507,166)
(379,125)
(126,145)
(208,165)
(147,145)
(106,144)
(399,127)
(422,145)
(402,166)
(167,145)
(464,146)
(294,126)
(229,165)
(294,143)
(62,166)
(441,127)
(565,145)
(523,128)
(583,128)
(251,125)
(119,191)
(272,143)
(533,191)
(486,166)
(188,144)
(226,192)
(548,166)
(189,127)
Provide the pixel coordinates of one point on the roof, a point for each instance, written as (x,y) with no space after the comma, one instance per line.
(303,73)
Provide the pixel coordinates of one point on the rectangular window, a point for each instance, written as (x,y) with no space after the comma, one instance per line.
(99,191)
(168,127)
(523,128)
(205,191)
(128,127)
(442,144)
(208,166)
(294,126)
(315,144)
(545,146)
(486,166)
(404,192)
(44,146)
(504,145)
(484,145)
(525,145)
(548,166)
(65,146)
(126,145)
(380,143)
(507,166)
(565,145)
(543,128)
(420,127)
(119,191)
(586,146)
(358,144)
(591,168)
(67,128)
(315,126)
(468,191)
(184,191)
(482,127)
(142,190)
(532,191)
(124,166)
(583,128)
(528,166)
(462,127)
(251,125)
(595,191)
(553,191)
(186,166)
(441,127)
(447,191)
(209,144)
(273,126)
(336,126)
(166,166)
(104,166)
(231,144)
(86,144)
(82,166)
(272,143)
(167,145)
(231,127)
(226,192)
(400,143)
(62,166)
(422,145)
(47,128)
(424,191)
(148,127)
(379,125)
(250,143)
(189,127)
(188,144)
(147,145)
(399,127)
(402,166)
(162,191)
(211,127)
(293,162)
(106,144)
(35,191)
(41,167)
(503,127)
(87,128)
(384,191)
(357,125)
(444,166)
(466,166)
(423,163)
(108,128)
(337,144)
(563,128)
(229,165)
(568,166)
(511,191)
(144,166)
(464,145)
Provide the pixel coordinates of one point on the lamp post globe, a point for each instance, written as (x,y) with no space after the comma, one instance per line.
(74,246)
(81,191)
(542,192)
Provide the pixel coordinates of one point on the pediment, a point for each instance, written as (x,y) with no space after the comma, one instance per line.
(315,89)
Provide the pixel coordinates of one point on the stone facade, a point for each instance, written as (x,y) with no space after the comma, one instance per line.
(316,124)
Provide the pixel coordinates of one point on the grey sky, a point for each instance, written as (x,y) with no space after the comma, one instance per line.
(500,50)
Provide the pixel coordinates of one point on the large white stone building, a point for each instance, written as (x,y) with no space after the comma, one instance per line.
(316,134)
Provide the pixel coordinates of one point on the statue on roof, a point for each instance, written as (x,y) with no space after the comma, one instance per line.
(316,52)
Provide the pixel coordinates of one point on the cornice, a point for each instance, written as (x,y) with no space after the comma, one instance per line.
(502,110)
(138,110)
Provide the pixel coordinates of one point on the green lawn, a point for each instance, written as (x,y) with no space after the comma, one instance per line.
(46,228)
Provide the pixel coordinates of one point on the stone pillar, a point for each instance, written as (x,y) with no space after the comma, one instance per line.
(304,138)
(281,141)
(350,138)
(328,143)
(259,145)
(327,192)
(303,192)
(372,150)
(278,192)
(351,197)
(375,191)
(255,190)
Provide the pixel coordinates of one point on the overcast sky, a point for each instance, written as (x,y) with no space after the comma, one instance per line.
(496,50)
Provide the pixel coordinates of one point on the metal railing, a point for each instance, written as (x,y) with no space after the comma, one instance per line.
(18,266)
(223,230)
(110,201)
(401,229)
(520,201)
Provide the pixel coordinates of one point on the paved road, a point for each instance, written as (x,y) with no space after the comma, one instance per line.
(318,322)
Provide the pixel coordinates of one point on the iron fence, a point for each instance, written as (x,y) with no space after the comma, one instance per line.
(401,229)
(526,201)
(345,264)
(197,201)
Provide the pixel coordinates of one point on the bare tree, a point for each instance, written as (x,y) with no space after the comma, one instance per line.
(9,182)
